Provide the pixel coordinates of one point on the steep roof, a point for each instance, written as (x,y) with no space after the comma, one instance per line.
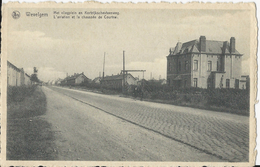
(97,78)
(212,47)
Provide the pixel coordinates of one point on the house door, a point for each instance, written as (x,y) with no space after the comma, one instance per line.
(236,84)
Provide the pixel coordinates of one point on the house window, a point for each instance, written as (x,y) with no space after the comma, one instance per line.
(187,65)
(227,83)
(179,66)
(217,65)
(209,65)
(195,82)
(195,66)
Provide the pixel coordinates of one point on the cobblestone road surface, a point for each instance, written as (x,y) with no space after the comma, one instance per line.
(223,135)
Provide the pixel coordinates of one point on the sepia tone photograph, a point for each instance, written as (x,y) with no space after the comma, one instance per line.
(128,83)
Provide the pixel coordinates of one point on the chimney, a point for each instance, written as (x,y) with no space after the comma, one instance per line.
(232,44)
(225,46)
(202,44)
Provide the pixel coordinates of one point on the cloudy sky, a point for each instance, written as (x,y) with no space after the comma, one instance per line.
(57,47)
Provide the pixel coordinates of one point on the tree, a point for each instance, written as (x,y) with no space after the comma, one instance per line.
(34,78)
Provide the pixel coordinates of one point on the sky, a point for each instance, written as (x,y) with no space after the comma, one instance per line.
(57,47)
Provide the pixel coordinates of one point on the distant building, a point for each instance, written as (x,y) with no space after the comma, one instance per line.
(97,80)
(205,64)
(75,79)
(158,82)
(116,81)
(142,81)
(58,81)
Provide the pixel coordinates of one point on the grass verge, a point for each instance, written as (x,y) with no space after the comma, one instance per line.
(29,136)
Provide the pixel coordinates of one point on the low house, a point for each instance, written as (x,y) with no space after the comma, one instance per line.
(16,76)
(142,81)
(97,80)
(76,79)
(116,81)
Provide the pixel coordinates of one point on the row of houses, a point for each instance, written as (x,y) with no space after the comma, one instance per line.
(114,81)
(76,79)
(198,63)
(117,81)
(16,76)
(111,82)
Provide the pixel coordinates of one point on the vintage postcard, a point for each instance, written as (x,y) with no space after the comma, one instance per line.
(123,84)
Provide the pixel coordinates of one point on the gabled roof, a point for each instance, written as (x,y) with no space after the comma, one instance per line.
(212,47)
(73,77)
(116,77)
(97,79)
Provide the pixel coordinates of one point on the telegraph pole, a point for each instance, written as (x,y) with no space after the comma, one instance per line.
(142,94)
(104,66)
(123,86)
(103,75)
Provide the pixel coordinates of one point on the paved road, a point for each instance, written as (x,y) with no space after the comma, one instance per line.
(190,134)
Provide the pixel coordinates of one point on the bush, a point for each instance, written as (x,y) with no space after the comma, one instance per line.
(220,99)
(230,98)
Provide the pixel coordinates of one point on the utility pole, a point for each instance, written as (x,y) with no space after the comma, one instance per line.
(142,83)
(142,93)
(103,75)
(104,66)
(123,86)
